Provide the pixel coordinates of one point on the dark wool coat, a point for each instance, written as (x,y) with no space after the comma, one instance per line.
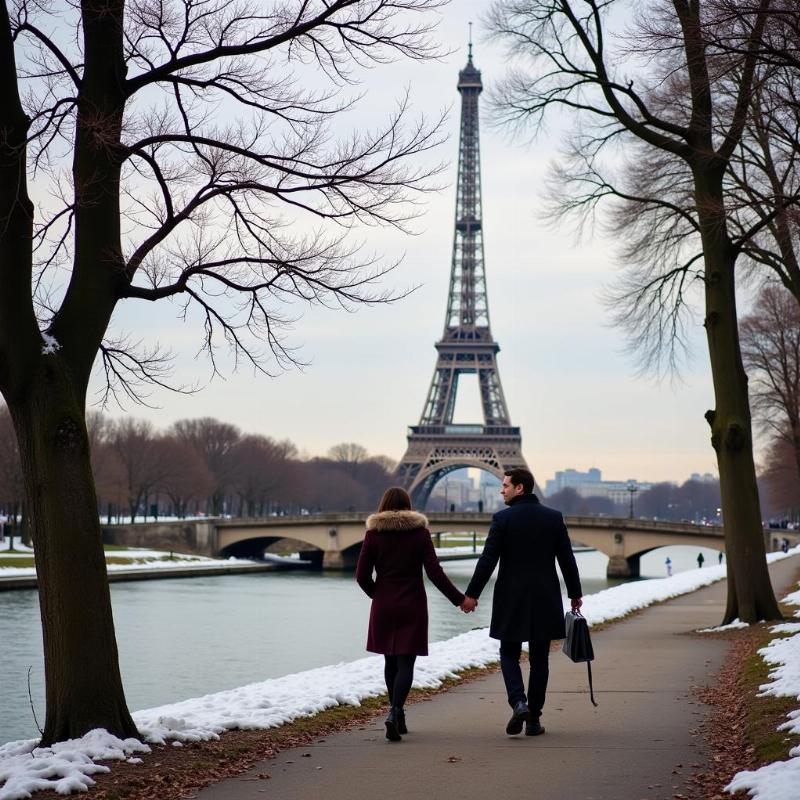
(527,538)
(397,546)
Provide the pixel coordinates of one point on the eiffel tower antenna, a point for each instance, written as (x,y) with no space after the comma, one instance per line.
(437,446)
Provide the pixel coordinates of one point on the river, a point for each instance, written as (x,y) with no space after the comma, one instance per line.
(188,637)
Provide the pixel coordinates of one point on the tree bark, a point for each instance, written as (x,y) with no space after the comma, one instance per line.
(750,594)
(82,676)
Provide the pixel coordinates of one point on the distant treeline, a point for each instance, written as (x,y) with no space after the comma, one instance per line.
(208,467)
(205,466)
(697,501)
(693,501)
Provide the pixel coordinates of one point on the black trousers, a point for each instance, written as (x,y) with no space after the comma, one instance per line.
(538,653)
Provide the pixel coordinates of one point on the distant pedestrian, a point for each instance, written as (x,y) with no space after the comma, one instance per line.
(668,564)
(397,546)
(721,556)
(785,545)
(700,559)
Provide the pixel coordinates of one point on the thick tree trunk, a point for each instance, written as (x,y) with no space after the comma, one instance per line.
(84,687)
(750,594)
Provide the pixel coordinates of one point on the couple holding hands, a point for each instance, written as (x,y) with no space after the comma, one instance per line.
(527,539)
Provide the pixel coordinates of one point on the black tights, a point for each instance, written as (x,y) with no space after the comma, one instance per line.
(399,674)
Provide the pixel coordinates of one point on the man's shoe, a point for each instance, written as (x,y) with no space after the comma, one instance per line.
(401,721)
(392,728)
(521,714)
(534,729)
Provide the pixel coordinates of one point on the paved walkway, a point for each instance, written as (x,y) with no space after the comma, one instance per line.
(639,744)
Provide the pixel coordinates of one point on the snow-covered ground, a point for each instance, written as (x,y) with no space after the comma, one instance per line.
(459,550)
(138,560)
(22,549)
(69,766)
(781,779)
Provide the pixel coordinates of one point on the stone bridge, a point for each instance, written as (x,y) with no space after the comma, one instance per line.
(332,541)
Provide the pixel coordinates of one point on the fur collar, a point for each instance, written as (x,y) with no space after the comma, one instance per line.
(396,521)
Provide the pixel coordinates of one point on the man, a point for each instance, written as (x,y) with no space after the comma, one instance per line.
(527,539)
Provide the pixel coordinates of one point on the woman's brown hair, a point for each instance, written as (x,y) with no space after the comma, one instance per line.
(395,499)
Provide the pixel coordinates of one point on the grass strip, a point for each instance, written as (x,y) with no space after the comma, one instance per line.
(765,713)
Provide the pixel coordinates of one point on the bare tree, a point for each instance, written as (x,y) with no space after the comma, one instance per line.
(185,479)
(326,486)
(763,178)
(259,472)
(566,500)
(770,337)
(108,470)
(386,463)
(649,96)
(186,151)
(135,444)
(215,442)
(349,455)
(781,480)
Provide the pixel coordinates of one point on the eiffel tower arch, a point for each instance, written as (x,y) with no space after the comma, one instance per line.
(436,445)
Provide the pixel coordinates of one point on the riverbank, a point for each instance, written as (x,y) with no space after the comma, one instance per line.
(164,565)
(146,572)
(295,697)
(18,571)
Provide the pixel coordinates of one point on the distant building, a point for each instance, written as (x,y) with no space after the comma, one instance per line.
(572,479)
(591,484)
(616,491)
(466,490)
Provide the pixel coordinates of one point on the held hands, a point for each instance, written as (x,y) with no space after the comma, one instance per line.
(468,605)
(576,602)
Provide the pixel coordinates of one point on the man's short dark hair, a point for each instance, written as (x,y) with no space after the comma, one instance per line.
(518,476)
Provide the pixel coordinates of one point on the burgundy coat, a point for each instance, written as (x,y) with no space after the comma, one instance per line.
(397,546)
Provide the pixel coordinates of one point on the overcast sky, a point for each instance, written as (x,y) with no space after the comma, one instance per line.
(568,382)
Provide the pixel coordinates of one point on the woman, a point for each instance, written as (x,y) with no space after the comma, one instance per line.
(397,546)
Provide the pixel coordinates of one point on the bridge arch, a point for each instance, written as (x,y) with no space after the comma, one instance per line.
(426,481)
(332,542)
(625,541)
(253,547)
(429,477)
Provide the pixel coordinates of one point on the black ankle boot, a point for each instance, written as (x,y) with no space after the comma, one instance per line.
(401,721)
(392,727)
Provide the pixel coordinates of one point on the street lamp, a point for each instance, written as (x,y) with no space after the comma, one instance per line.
(632,489)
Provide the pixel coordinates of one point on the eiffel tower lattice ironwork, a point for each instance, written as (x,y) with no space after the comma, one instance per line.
(437,446)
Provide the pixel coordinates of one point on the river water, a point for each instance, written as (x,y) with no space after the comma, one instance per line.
(188,637)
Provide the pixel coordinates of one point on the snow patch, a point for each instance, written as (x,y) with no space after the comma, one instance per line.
(65,767)
(737,623)
(50,345)
(776,781)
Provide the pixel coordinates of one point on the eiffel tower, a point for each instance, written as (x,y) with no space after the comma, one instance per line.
(437,446)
